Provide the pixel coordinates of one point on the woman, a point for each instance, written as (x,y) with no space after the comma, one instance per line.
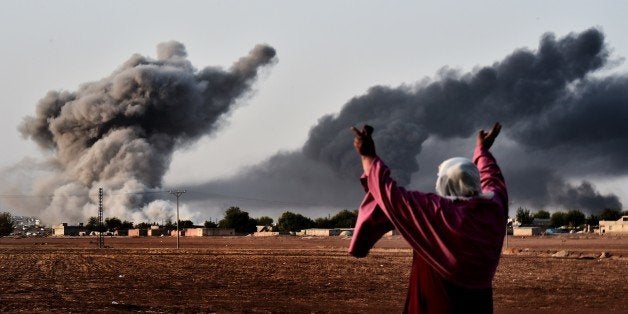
(456,234)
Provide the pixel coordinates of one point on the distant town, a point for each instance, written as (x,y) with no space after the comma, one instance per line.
(238,222)
(28,226)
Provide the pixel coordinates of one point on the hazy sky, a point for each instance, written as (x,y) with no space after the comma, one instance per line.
(328,52)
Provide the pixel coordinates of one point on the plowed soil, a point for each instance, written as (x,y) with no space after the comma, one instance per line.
(290,274)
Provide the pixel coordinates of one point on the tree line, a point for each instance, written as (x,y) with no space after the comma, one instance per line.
(240,220)
(572,219)
(237,219)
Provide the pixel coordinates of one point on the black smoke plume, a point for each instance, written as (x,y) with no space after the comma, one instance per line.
(119,133)
(560,123)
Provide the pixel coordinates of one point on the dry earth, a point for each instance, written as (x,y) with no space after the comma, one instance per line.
(290,274)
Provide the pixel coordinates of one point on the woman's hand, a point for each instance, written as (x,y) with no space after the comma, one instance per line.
(364,145)
(363,142)
(486,140)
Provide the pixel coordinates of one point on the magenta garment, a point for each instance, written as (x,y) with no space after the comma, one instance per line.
(458,239)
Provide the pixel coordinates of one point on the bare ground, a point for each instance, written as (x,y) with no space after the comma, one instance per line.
(289,274)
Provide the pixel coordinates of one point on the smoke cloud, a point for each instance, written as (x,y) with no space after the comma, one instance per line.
(119,133)
(561,124)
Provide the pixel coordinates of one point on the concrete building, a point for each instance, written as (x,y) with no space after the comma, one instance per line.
(121,232)
(138,232)
(316,232)
(194,232)
(618,226)
(265,231)
(218,232)
(526,231)
(65,230)
(266,234)
(207,232)
(155,231)
(261,228)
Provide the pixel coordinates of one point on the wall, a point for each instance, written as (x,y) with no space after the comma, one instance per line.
(618,226)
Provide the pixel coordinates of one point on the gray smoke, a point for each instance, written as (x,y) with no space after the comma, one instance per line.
(560,123)
(119,133)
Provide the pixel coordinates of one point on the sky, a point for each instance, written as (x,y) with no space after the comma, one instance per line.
(327,54)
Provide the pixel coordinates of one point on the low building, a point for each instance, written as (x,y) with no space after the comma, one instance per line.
(526,231)
(265,231)
(121,232)
(218,232)
(155,231)
(194,232)
(266,234)
(617,226)
(319,232)
(138,232)
(316,232)
(206,232)
(65,230)
(261,228)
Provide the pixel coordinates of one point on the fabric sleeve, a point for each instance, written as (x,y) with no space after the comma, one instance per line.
(423,219)
(491,178)
(370,226)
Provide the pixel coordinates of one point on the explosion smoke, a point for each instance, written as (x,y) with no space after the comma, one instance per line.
(559,121)
(119,133)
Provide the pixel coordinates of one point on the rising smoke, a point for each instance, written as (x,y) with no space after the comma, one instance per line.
(119,133)
(560,123)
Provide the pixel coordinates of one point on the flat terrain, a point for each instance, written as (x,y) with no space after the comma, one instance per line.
(290,274)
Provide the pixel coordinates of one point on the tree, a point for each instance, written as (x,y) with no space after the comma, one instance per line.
(169,225)
(610,214)
(126,225)
(523,216)
(592,220)
(6,224)
(186,224)
(343,219)
(210,224)
(92,224)
(294,222)
(542,214)
(238,220)
(574,218)
(264,221)
(323,222)
(143,225)
(113,223)
(558,219)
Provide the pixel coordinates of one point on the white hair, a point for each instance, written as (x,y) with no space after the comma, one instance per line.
(458,177)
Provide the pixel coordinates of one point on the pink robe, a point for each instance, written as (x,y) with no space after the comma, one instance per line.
(456,242)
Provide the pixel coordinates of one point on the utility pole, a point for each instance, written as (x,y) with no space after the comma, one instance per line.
(177,194)
(101,238)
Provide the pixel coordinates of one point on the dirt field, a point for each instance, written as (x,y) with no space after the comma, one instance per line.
(290,274)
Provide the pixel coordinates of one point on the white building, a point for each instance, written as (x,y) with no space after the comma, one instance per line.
(526,231)
(618,226)
(66,230)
